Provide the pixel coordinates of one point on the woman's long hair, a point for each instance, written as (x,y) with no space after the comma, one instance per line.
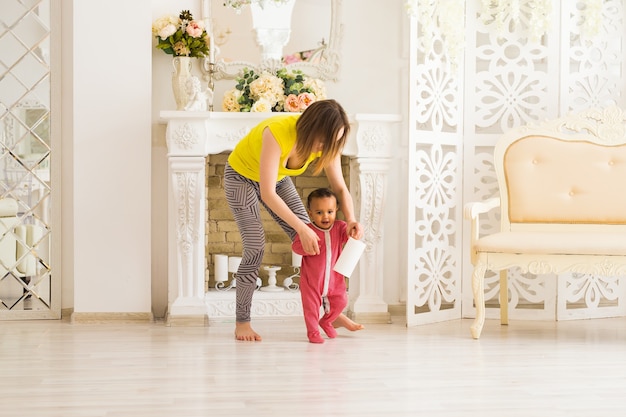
(321,122)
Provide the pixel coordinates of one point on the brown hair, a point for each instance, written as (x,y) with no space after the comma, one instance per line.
(321,122)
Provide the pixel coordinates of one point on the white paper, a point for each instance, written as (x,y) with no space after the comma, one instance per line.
(296,260)
(221,268)
(349,257)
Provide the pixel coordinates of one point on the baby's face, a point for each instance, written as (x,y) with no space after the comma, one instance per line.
(323,211)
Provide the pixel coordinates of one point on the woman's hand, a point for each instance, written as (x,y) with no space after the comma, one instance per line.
(309,240)
(355,230)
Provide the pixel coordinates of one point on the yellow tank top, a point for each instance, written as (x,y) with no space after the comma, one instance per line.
(246,157)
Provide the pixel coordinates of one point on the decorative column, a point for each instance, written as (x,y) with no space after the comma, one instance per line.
(186,139)
(371,155)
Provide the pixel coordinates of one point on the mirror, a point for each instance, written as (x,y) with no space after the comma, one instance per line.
(308,44)
(25,140)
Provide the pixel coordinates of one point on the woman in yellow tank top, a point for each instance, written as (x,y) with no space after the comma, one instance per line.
(258,172)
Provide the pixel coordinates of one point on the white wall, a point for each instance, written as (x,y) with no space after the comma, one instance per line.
(162,99)
(374,79)
(67,153)
(107,95)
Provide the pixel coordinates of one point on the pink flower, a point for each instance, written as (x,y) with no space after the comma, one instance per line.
(290,59)
(292,103)
(195,28)
(305,100)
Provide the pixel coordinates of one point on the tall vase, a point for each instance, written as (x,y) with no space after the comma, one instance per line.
(180,79)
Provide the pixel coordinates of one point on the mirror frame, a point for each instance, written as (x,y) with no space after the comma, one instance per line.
(326,69)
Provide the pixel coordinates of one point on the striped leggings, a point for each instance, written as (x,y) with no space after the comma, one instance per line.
(243,196)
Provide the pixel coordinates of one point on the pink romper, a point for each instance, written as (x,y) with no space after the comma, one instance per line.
(319,284)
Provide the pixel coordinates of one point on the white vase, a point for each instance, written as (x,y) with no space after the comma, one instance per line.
(180,80)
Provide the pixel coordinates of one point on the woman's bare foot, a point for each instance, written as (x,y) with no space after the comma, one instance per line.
(243,331)
(344,321)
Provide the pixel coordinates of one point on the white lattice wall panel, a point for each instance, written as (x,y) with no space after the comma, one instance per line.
(507,77)
(514,86)
(592,73)
(435,262)
(519,81)
(435,188)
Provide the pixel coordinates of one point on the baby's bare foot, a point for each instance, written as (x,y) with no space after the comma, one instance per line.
(243,331)
(344,321)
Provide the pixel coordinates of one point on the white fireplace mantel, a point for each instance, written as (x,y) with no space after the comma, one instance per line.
(191,136)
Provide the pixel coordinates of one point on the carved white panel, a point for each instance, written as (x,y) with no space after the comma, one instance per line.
(520,81)
(515,75)
(437,96)
(433,290)
(595,71)
(513,84)
(375,139)
(221,304)
(186,233)
(587,295)
(593,76)
(435,184)
(185,136)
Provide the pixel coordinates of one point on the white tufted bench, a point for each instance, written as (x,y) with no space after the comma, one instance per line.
(562,199)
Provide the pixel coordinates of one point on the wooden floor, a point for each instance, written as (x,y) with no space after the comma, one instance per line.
(54,368)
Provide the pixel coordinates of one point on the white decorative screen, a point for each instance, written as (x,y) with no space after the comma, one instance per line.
(435,168)
(521,63)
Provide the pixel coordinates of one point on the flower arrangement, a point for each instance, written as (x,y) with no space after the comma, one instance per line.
(238,4)
(287,90)
(181,36)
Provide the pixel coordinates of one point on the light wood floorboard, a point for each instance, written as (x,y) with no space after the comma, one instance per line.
(55,368)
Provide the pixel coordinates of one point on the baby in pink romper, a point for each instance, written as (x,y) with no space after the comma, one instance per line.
(319,284)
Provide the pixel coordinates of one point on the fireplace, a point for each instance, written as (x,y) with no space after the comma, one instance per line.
(194,140)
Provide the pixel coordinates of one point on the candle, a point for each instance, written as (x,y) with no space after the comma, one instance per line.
(349,257)
(211,47)
(233,263)
(206,16)
(206,7)
(296,260)
(221,268)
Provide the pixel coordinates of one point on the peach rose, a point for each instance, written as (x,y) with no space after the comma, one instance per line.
(305,100)
(292,103)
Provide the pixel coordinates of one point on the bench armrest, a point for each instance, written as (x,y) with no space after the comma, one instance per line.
(472,212)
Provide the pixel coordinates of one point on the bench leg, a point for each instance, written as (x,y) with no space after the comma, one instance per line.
(504,297)
(478,284)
